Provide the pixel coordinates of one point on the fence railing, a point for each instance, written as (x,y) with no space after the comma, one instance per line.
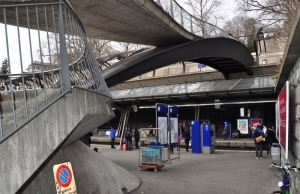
(44,54)
(191,23)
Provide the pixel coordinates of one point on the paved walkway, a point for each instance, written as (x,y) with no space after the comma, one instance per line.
(226,172)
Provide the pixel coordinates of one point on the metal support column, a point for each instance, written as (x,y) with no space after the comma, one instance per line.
(191,18)
(65,76)
(171,9)
(125,121)
(181,15)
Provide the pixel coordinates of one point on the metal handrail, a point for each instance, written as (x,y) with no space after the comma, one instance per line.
(190,22)
(70,62)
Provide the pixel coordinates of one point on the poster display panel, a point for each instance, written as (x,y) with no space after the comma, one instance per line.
(243,126)
(162,124)
(255,122)
(283,100)
(174,130)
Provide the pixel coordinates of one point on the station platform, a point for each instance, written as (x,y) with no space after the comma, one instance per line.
(242,143)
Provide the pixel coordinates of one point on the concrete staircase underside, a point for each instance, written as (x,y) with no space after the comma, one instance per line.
(64,122)
(93,173)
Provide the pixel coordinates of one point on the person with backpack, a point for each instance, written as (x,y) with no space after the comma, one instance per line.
(258,144)
(128,138)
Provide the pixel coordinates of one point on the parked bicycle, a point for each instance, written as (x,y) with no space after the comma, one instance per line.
(285,183)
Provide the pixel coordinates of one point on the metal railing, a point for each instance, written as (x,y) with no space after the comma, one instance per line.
(191,23)
(50,40)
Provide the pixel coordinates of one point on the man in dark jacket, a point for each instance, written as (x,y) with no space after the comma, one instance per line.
(271,138)
(128,138)
(258,146)
(136,138)
(187,137)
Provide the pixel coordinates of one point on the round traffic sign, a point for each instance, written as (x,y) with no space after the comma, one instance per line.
(64,175)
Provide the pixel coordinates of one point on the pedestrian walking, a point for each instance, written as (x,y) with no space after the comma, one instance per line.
(151,131)
(112,136)
(187,137)
(136,138)
(258,144)
(265,142)
(225,132)
(271,139)
(128,138)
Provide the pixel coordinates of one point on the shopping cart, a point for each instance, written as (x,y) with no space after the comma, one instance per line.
(151,157)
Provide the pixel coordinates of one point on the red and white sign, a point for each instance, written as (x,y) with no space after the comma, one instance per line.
(64,178)
(283,105)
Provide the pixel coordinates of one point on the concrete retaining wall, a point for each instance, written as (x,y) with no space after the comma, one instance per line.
(24,152)
(93,173)
(294,130)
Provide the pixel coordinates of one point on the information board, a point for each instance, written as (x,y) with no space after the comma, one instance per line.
(162,125)
(174,130)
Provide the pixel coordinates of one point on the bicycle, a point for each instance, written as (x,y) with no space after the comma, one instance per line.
(285,183)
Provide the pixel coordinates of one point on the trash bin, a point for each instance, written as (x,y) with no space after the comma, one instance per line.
(275,151)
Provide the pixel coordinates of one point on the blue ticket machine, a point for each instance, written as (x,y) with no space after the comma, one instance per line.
(207,135)
(196,146)
(228,125)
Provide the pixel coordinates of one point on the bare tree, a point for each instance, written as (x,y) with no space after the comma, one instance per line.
(243,28)
(128,47)
(50,49)
(280,12)
(100,47)
(207,11)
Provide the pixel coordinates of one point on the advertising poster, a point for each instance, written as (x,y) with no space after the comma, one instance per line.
(255,122)
(162,125)
(174,130)
(242,125)
(283,100)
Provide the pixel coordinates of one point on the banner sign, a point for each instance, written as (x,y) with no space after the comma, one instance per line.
(242,125)
(283,105)
(64,178)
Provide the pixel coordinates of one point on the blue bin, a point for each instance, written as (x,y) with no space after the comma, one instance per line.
(276,145)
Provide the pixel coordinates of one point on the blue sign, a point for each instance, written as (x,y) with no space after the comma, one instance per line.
(206,135)
(173,110)
(200,65)
(162,109)
(64,176)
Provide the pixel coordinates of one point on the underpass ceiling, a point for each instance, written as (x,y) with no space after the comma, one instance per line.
(130,21)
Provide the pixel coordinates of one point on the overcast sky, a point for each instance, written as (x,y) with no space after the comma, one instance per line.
(228,10)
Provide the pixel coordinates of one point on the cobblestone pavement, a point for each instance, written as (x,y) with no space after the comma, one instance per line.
(225,172)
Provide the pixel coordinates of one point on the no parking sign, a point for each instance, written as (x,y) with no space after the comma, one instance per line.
(64,178)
